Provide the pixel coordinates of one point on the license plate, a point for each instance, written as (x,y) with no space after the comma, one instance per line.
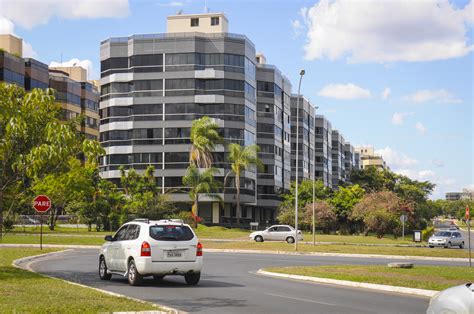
(174,254)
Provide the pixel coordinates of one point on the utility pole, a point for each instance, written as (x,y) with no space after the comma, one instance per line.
(297,149)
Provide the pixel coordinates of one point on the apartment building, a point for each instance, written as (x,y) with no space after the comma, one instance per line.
(153,86)
(30,73)
(466,194)
(369,158)
(350,159)
(323,150)
(273,137)
(338,159)
(306,138)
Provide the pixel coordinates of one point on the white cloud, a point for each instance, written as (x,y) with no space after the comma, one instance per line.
(86,64)
(438,163)
(395,159)
(171,4)
(31,13)
(387,31)
(399,117)
(297,28)
(6,26)
(438,96)
(28,51)
(421,128)
(344,91)
(386,92)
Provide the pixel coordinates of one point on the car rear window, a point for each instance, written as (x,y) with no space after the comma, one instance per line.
(443,234)
(171,233)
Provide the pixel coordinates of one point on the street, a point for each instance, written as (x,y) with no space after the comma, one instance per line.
(229,285)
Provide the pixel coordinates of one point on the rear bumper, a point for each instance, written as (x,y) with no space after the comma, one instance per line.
(146,266)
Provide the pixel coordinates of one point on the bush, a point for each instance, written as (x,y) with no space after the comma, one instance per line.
(185,216)
(8,223)
(427,233)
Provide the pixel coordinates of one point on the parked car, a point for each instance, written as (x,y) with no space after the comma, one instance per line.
(277,233)
(458,299)
(143,248)
(446,239)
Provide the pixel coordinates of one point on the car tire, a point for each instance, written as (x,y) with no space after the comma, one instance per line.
(431,246)
(258,239)
(192,279)
(461,246)
(103,274)
(134,278)
(448,246)
(290,240)
(158,277)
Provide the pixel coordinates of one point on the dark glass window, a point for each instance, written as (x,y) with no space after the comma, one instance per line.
(114,63)
(214,20)
(144,60)
(194,22)
(171,232)
(148,85)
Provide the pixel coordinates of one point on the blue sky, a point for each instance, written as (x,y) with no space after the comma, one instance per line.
(419,52)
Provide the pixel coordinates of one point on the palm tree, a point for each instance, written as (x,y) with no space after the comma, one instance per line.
(242,158)
(200,182)
(204,136)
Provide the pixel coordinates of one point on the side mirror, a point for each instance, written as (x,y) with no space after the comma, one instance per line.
(109,238)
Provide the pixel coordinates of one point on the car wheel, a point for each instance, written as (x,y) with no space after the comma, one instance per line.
(192,279)
(431,246)
(103,270)
(448,246)
(158,277)
(461,246)
(134,278)
(290,240)
(258,239)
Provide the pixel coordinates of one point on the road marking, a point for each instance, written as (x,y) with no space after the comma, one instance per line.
(299,299)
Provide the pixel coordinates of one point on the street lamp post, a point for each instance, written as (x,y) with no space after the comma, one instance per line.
(297,139)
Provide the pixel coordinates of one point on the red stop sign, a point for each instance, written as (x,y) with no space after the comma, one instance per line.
(41,203)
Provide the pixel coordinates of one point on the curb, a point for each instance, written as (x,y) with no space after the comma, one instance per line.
(399,257)
(53,246)
(32,259)
(353,284)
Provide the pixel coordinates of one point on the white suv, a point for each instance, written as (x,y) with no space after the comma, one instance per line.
(143,248)
(277,233)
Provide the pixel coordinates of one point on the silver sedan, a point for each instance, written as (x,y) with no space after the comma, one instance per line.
(277,233)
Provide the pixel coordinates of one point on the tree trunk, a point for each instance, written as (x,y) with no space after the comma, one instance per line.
(237,212)
(196,211)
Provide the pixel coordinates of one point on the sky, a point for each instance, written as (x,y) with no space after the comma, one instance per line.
(395,75)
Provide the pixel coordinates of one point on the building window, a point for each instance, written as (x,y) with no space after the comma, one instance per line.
(194,22)
(214,21)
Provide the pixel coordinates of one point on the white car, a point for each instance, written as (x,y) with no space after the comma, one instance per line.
(447,239)
(277,233)
(454,300)
(142,248)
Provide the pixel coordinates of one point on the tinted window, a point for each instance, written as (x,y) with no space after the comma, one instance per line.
(283,229)
(133,231)
(121,234)
(171,233)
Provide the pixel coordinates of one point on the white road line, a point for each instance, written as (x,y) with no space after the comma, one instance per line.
(299,299)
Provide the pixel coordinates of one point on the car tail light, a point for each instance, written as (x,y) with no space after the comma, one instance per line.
(146,249)
(199,249)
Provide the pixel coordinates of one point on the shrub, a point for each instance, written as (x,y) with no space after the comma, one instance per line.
(427,233)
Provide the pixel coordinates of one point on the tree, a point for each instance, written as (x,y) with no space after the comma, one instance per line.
(242,158)
(34,142)
(305,193)
(373,179)
(325,218)
(380,212)
(143,197)
(200,182)
(204,136)
(344,199)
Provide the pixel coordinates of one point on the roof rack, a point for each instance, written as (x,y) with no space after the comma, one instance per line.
(172,220)
(145,220)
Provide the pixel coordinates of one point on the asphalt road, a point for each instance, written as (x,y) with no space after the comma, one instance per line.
(229,285)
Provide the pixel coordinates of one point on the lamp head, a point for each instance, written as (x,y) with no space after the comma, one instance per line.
(302,72)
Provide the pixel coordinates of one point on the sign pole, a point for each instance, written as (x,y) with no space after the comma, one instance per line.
(41,231)
(469,239)
(403,229)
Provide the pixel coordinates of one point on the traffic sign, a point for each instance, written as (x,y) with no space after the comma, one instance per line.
(41,203)
(403,218)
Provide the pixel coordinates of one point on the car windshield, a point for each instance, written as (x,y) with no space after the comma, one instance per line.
(442,234)
(171,233)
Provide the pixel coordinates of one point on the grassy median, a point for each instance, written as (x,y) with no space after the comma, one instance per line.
(421,277)
(22,291)
(337,248)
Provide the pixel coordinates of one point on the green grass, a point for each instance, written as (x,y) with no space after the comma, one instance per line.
(421,277)
(26,292)
(51,239)
(221,233)
(60,230)
(370,239)
(337,248)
